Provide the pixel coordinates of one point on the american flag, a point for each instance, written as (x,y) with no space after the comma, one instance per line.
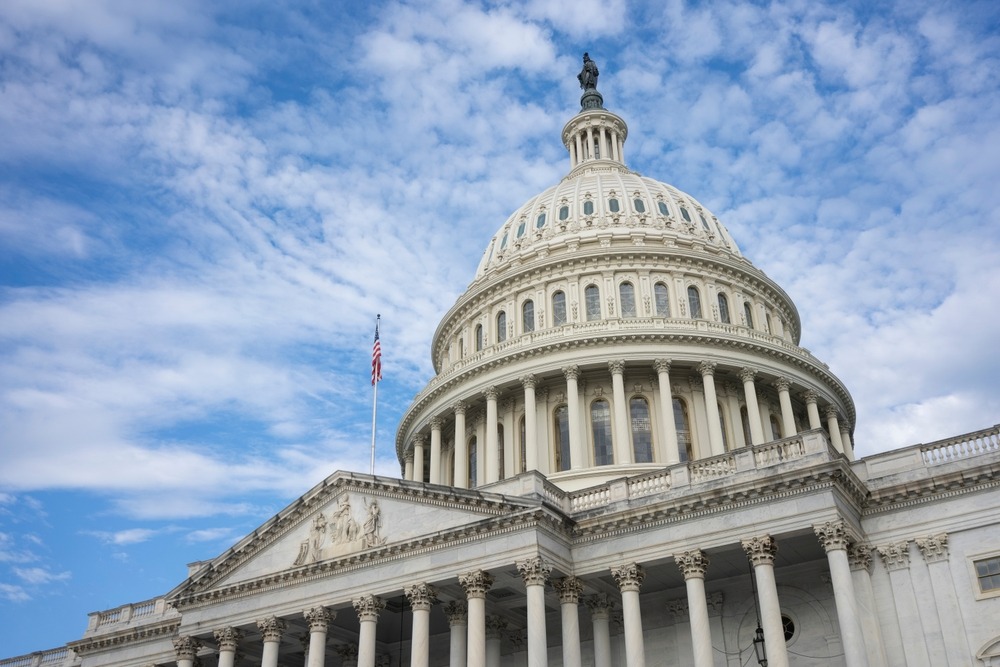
(376,358)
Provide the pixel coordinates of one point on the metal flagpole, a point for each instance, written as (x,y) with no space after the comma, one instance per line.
(376,376)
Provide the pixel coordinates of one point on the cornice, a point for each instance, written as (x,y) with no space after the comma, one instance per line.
(139,633)
(932,489)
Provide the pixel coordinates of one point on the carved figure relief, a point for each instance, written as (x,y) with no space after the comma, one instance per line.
(342,534)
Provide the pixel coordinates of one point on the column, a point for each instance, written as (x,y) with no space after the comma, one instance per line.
(669,453)
(476,584)
(530,423)
(600,616)
(271,629)
(760,550)
(707,370)
(693,565)
(535,572)
(681,614)
(542,430)
(785,400)
(461,447)
(492,452)
(934,549)
(834,539)
(614,144)
(753,410)
(458,626)
(834,428)
(368,608)
(435,477)
(496,626)
(319,620)
(845,438)
(569,590)
(577,456)
(228,640)
(629,578)
(186,650)
(579,149)
(508,462)
(418,458)
(408,466)
(348,654)
(421,597)
(896,557)
(859,557)
(590,143)
(622,442)
(810,397)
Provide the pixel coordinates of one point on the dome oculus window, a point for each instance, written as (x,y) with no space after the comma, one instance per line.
(613,205)
(662,206)
(541,221)
(788,626)
(694,302)
(520,229)
(640,206)
(704,223)
(592,297)
(563,212)
(685,214)
(503,241)
(588,207)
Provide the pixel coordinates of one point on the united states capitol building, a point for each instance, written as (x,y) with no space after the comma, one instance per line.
(624,458)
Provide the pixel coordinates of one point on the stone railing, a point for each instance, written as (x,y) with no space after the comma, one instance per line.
(962,447)
(917,459)
(55,657)
(99,620)
(717,466)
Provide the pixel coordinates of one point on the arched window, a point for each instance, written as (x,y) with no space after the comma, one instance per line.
(528,316)
(563,212)
(613,205)
(694,302)
(561,418)
(723,308)
(588,207)
(722,426)
(745,418)
(748,313)
(461,348)
(541,221)
(501,326)
(775,428)
(472,462)
(479,337)
(642,430)
(767,322)
(592,297)
(600,423)
(627,294)
(661,299)
(500,451)
(523,448)
(683,430)
(559,308)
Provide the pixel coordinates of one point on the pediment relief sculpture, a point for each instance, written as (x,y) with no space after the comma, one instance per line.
(341,533)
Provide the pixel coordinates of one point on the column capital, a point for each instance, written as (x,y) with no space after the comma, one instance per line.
(271,628)
(186,647)
(692,563)
(542,394)
(714,601)
(456,612)
(476,583)
(319,618)
(459,407)
(934,548)
(528,381)
(368,607)
(747,374)
(435,423)
(228,638)
(496,626)
(760,549)
(408,457)
(810,396)
(661,365)
(491,393)
(833,535)
(569,589)
(679,609)
(895,555)
(628,576)
(830,411)
(782,384)
(421,596)
(707,368)
(347,652)
(507,405)
(616,366)
(535,571)
(859,555)
(571,372)
(600,605)
(419,439)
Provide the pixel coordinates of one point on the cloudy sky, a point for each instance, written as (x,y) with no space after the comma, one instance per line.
(203,205)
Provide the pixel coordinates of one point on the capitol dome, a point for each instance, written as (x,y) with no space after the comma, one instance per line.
(613,328)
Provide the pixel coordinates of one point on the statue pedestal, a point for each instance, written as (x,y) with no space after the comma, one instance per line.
(591,99)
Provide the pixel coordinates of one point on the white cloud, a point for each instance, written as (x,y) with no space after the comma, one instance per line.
(124,537)
(13,593)
(38,576)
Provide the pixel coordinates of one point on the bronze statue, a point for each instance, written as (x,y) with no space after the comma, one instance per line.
(588,75)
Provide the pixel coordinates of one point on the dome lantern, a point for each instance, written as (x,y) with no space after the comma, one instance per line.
(595,134)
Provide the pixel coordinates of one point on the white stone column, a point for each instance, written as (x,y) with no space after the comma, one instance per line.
(834,539)
(569,590)
(579,149)
(600,616)
(420,596)
(693,565)
(669,453)
(590,143)
(747,375)
(418,458)
(476,585)
(408,466)
(271,629)
(319,620)
(761,552)
(845,438)
(459,628)
(535,572)
(368,608)
(707,370)
(496,626)
(228,640)
(810,397)
(622,441)
(934,549)
(614,143)
(492,452)
(542,423)
(508,462)
(577,455)
(859,557)
(834,428)
(629,578)
(461,447)
(435,477)
(186,650)
(785,401)
(530,423)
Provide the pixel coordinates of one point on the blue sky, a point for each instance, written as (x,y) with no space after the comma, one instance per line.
(203,205)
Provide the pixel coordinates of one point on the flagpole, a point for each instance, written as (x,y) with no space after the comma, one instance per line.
(375,379)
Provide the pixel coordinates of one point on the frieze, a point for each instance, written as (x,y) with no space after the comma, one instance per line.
(343,533)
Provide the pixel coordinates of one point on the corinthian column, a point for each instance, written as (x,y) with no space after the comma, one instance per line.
(747,375)
(859,556)
(834,428)
(934,549)
(530,423)
(319,620)
(669,453)
(569,590)
(577,457)
(760,550)
(600,616)
(810,397)
(629,578)
(186,650)
(492,452)
(228,639)
(461,447)
(785,400)
(496,626)
(476,585)
(834,538)
(916,648)
(271,629)
(458,625)
(535,572)
(421,597)
(418,458)
(693,565)
(368,608)
(707,370)
(435,477)
(622,445)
